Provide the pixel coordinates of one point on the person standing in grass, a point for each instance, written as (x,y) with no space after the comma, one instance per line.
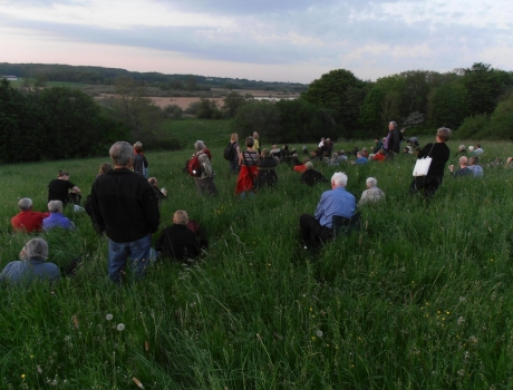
(140,161)
(125,206)
(62,189)
(440,153)
(27,221)
(248,174)
(234,162)
(337,201)
(393,140)
(32,265)
(204,182)
(256,145)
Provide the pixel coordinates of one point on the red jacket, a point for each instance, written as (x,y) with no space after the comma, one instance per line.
(28,221)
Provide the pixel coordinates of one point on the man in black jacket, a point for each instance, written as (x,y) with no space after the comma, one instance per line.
(125,206)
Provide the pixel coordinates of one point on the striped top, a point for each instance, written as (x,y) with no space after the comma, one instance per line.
(250,159)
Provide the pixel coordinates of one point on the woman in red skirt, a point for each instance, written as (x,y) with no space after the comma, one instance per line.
(248,161)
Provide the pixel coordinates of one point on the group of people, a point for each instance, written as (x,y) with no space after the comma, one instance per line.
(125,204)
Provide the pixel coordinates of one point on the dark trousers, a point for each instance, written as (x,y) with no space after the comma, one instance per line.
(429,184)
(312,231)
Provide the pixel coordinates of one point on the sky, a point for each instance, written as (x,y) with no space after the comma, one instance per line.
(270,40)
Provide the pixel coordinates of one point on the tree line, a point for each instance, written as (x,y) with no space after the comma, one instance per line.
(475,101)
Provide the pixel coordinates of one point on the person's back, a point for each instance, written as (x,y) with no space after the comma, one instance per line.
(311,176)
(57,220)
(477,170)
(267,172)
(139,164)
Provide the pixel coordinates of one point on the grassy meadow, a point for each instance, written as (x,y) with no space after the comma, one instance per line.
(420,298)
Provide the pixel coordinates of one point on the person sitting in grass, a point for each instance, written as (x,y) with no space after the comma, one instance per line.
(178,242)
(27,221)
(474,166)
(463,169)
(32,265)
(380,156)
(64,190)
(161,194)
(372,194)
(311,177)
(334,162)
(302,167)
(56,217)
(335,202)
(361,159)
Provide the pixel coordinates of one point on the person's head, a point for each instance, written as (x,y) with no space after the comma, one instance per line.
(305,160)
(234,137)
(376,139)
(199,145)
(122,154)
(250,141)
(286,147)
(358,154)
(364,149)
(36,249)
(180,217)
(334,155)
(371,182)
(461,148)
(308,165)
(255,135)
(275,146)
(25,204)
(153,181)
(443,134)
(104,168)
(381,151)
(55,206)
(392,125)
(463,161)
(266,152)
(478,146)
(303,147)
(63,175)
(342,152)
(470,149)
(339,179)
(474,160)
(138,147)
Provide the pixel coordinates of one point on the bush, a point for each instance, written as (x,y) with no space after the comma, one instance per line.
(471,127)
(173,111)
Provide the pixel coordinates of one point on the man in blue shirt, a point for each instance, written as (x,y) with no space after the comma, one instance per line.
(361,159)
(337,201)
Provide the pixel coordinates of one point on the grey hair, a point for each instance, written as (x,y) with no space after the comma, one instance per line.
(308,165)
(54,206)
(339,179)
(250,141)
(36,249)
(393,123)
(180,217)
(372,182)
(474,160)
(443,133)
(199,145)
(121,153)
(25,204)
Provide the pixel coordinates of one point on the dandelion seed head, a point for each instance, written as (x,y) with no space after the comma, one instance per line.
(319,333)
(121,327)
(109,317)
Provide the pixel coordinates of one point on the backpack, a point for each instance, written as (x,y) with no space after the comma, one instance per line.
(194,167)
(229,152)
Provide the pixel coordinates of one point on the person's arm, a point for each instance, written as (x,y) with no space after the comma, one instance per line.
(425,150)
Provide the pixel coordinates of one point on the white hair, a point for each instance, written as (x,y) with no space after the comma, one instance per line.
(36,249)
(372,182)
(339,179)
(25,204)
(54,206)
(199,145)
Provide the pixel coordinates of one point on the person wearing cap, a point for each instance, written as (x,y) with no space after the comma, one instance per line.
(337,201)
(27,221)
(32,265)
(61,188)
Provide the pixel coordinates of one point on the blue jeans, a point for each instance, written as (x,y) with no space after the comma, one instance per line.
(138,252)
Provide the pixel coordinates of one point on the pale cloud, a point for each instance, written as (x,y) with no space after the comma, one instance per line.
(265,39)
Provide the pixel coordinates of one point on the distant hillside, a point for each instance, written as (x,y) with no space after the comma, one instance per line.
(96,75)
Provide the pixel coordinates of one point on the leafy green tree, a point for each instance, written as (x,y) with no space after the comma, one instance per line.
(260,116)
(173,111)
(471,127)
(485,86)
(340,91)
(232,102)
(448,105)
(501,122)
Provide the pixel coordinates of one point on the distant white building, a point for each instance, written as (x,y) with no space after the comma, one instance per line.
(9,77)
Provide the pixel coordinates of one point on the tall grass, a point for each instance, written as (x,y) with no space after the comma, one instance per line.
(419,298)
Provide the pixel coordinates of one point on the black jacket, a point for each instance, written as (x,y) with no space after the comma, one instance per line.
(178,242)
(124,205)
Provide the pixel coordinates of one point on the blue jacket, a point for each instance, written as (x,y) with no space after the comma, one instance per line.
(57,220)
(335,202)
(29,270)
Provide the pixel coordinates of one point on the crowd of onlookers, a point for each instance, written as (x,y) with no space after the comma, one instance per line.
(124,201)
